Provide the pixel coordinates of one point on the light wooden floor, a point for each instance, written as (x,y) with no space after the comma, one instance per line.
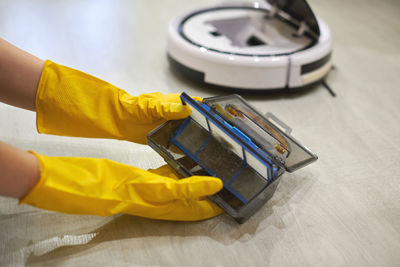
(343,210)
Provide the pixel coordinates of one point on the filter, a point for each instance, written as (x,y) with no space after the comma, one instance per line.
(248,183)
(223,162)
(192,136)
(227,138)
(217,158)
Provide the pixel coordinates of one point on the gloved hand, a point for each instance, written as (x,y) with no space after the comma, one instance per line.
(104,187)
(73,103)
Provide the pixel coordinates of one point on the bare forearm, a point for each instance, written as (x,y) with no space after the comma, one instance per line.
(19,171)
(19,76)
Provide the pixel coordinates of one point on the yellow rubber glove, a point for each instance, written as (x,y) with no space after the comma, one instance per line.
(73,103)
(104,187)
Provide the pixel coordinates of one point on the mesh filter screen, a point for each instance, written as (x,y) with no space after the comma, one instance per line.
(217,157)
(192,137)
(249,183)
(223,162)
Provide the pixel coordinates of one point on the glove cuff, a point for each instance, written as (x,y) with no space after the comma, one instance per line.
(29,198)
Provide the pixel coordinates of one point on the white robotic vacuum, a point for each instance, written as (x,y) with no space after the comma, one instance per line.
(264,45)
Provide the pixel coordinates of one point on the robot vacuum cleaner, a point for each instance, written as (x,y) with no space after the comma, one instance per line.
(256,46)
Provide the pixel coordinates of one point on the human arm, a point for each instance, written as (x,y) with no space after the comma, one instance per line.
(72,103)
(69,102)
(19,75)
(19,171)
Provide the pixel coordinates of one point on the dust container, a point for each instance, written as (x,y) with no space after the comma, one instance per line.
(227,138)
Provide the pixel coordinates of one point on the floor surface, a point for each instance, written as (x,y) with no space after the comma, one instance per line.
(343,210)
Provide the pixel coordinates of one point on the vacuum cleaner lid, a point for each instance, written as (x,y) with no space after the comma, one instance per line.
(300,12)
(268,133)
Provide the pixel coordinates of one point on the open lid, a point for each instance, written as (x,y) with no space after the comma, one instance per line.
(267,132)
(300,13)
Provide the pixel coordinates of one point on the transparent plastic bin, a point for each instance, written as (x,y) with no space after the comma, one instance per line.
(225,137)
